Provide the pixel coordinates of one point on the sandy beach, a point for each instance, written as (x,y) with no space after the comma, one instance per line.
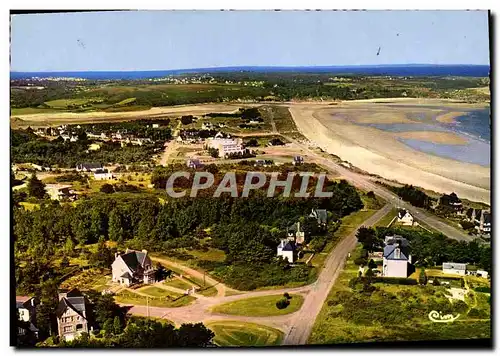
(379,152)
(56,118)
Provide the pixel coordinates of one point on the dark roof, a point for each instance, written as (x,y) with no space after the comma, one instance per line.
(320,214)
(126,275)
(21,300)
(389,252)
(134,259)
(402,213)
(288,246)
(295,227)
(75,300)
(101,170)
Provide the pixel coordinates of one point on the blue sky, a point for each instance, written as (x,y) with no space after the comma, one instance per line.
(156,40)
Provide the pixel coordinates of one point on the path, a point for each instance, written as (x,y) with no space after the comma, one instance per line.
(303,320)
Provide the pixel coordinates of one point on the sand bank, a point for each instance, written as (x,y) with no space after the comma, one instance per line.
(101,116)
(379,152)
(446,138)
(449,117)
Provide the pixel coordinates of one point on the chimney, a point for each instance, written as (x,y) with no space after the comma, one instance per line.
(145,251)
(126,251)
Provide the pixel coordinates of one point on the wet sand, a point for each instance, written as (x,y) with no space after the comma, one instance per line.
(446,138)
(380,152)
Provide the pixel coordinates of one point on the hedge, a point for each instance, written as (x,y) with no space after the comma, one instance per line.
(395,280)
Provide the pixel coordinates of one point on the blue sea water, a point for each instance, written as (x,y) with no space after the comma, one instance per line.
(396,70)
(474,127)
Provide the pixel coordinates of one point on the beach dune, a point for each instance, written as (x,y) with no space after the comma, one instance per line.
(379,152)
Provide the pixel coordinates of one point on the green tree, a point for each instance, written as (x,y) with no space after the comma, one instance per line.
(422,278)
(107,188)
(102,257)
(108,327)
(36,188)
(117,326)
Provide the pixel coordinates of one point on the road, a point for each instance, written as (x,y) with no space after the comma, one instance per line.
(363,182)
(303,320)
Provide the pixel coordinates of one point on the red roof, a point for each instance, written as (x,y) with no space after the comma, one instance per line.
(22,298)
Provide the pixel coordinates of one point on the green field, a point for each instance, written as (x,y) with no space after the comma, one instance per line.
(172,301)
(156,292)
(259,306)
(386,220)
(178,283)
(394,312)
(235,333)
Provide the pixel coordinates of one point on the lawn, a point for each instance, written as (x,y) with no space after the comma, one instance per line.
(156,292)
(29,206)
(349,224)
(386,220)
(89,279)
(178,283)
(236,333)
(391,313)
(127,297)
(259,306)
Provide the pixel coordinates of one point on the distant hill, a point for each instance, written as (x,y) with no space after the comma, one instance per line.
(463,70)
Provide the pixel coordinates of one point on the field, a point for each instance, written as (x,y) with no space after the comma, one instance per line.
(386,220)
(259,306)
(236,333)
(395,312)
(173,300)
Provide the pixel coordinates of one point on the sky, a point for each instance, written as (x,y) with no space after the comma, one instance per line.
(162,40)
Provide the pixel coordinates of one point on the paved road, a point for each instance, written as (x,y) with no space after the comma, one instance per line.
(303,320)
(364,182)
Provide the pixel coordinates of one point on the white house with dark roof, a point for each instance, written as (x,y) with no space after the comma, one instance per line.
(405,218)
(287,249)
(26,312)
(103,174)
(88,167)
(455,268)
(73,314)
(133,267)
(396,259)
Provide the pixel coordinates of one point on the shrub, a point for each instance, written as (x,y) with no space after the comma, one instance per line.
(477,313)
(282,303)
(287,296)
(360,261)
(395,280)
(482,289)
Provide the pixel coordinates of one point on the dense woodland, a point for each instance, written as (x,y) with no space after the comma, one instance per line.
(248,230)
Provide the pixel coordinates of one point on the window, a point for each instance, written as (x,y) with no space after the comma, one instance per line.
(397,253)
(79,327)
(68,329)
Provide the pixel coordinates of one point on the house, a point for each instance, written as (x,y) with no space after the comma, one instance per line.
(405,218)
(480,218)
(194,163)
(296,233)
(102,174)
(226,146)
(485,223)
(298,160)
(321,215)
(73,314)
(88,167)
(396,259)
(455,268)
(60,192)
(133,267)
(26,312)
(287,249)
(451,201)
(155,126)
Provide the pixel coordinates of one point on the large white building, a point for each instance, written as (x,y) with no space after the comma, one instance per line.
(226,146)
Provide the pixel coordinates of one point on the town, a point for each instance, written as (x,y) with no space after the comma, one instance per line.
(284,203)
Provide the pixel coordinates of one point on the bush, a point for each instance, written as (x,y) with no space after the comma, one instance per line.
(395,280)
(287,296)
(482,289)
(477,314)
(282,303)
(361,261)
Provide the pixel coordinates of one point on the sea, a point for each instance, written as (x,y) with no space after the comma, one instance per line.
(412,70)
(474,127)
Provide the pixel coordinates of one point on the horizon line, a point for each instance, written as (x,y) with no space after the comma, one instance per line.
(255,66)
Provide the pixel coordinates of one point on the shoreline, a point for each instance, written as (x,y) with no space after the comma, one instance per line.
(380,153)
